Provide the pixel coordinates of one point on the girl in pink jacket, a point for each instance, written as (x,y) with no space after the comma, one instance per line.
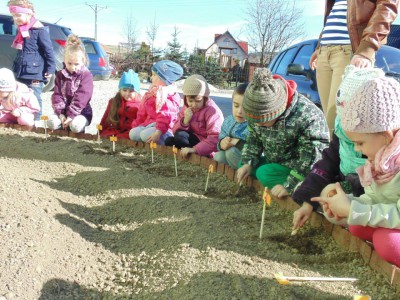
(199,121)
(159,110)
(18,104)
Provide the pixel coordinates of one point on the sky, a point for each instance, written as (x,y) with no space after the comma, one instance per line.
(197,20)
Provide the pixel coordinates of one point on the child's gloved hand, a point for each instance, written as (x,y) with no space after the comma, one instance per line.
(301,215)
(279,191)
(188,116)
(16,113)
(186,151)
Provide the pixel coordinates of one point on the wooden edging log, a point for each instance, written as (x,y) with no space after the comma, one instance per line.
(341,236)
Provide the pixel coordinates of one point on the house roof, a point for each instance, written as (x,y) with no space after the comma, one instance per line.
(242,45)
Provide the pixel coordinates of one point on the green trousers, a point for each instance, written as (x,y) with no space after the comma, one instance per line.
(269,175)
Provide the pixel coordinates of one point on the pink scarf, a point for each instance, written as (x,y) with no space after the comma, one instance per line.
(23,30)
(385,166)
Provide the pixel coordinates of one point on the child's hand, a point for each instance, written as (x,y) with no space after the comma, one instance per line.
(186,151)
(279,191)
(47,75)
(338,205)
(242,173)
(225,143)
(16,113)
(301,215)
(154,137)
(67,122)
(188,116)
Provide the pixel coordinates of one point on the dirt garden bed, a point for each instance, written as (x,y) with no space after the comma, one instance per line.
(80,222)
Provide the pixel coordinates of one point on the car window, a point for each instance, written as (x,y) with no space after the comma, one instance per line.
(89,47)
(7,26)
(275,62)
(303,56)
(388,59)
(286,59)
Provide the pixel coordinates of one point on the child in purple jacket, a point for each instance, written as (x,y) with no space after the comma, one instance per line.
(199,121)
(73,90)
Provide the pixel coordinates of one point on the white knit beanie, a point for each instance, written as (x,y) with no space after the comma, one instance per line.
(353,78)
(374,108)
(7,80)
(196,85)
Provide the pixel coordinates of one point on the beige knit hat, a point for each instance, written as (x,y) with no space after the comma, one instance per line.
(265,98)
(196,85)
(374,108)
(7,80)
(353,78)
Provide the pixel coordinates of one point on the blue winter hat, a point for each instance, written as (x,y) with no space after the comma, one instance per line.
(168,71)
(130,80)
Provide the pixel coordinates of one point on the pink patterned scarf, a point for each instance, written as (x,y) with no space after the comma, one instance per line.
(23,30)
(385,166)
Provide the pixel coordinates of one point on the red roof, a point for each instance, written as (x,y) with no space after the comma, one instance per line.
(244,46)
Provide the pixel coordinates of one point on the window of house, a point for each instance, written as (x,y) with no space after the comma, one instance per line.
(235,51)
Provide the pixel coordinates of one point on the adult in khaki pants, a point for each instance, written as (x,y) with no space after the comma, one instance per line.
(353,31)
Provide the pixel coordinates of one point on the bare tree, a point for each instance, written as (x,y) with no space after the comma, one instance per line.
(151,32)
(272,25)
(130,32)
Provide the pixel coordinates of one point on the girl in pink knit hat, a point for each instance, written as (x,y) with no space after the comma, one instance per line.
(18,104)
(372,121)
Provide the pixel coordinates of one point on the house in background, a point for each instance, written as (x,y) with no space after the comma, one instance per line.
(227,50)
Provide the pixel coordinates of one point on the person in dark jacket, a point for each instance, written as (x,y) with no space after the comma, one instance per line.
(73,90)
(35,62)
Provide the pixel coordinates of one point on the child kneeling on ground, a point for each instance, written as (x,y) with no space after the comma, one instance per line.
(121,110)
(287,128)
(73,90)
(160,106)
(199,121)
(18,104)
(233,132)
(372,121)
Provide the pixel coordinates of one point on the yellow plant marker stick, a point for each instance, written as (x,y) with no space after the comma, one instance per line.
(44,119)
(286,279)
(113,139)
(267,196)
(262,219)
(175,151)
(210,170)
(267,200)
(361,297)
(99,128)
(152,147)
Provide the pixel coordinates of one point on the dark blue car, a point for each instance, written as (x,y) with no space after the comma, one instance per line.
(292,64)
(99,64)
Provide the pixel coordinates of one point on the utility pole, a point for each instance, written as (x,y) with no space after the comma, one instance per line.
(96,8)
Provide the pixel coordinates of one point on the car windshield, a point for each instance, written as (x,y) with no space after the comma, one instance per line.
(388,60)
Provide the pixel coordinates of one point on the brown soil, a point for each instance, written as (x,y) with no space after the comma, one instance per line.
(79,222)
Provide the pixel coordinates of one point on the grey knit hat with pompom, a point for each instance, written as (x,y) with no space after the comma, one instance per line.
(265,98)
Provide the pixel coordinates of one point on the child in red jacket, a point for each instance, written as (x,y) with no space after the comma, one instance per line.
(122,109)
